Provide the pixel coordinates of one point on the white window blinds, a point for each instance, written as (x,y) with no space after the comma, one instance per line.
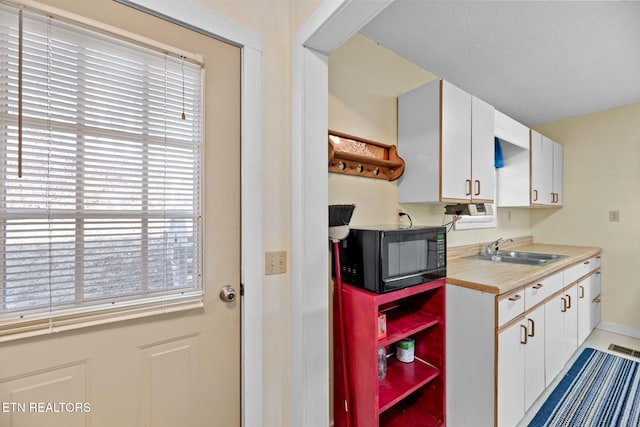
(100,177)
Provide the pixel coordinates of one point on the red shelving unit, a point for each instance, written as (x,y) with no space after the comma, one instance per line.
(412,394)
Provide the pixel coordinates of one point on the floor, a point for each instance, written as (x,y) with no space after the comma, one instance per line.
(600,340)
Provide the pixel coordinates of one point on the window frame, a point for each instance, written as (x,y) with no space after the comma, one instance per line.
(24,324)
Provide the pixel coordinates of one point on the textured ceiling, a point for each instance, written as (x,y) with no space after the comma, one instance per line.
(536,61)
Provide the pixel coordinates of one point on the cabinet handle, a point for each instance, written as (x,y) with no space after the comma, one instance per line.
(468,182)
(532,324)
(581,291)
(477,187)
(535,197)
(597,300)
(538,286)
(587,262)
(564,305)
(515,298)
(568,299)
(525,335)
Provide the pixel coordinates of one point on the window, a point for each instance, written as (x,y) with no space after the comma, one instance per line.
(100,178)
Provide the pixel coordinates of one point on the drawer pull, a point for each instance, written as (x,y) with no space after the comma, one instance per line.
(532,325)
(523,340)
(587,263)
(538,286)
(515,298)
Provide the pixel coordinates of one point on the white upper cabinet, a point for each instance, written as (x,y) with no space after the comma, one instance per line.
(532,172)
(546,171)
(446,138)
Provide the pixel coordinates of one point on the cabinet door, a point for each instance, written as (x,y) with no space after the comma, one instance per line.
(584,308)
(482,150)
(570,322)
(534,376)
(456,182)
(511,368)
(595,300)
(554,311)
(557,173)
(541,169)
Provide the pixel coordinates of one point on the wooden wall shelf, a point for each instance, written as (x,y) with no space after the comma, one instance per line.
(361,157)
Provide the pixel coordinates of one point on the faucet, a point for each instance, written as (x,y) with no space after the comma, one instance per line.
(491,249)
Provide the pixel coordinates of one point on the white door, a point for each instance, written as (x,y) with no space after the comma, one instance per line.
(511,366)
(584,308)
(571,322)
(534,380)
(558,173)
(554,336)
(482,150)
(595,300)
(541,169)
(173,369)
(455,147)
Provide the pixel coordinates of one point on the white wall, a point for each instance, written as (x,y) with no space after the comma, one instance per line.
(601,173)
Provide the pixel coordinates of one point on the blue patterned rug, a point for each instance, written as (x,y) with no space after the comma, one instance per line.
(600,390)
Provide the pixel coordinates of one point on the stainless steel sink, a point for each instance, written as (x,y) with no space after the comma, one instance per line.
(525,258)
(530,255)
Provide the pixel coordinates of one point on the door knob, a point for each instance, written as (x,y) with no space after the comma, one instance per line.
(228,293)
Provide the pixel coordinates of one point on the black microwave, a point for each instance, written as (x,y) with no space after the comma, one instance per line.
(387,258)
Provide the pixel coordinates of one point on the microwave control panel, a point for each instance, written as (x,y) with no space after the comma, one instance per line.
(441,250)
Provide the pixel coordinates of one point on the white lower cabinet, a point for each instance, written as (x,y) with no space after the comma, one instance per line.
(534,374)
(561,333)
(588,305)
(511,369)
(494,383)
(521,377)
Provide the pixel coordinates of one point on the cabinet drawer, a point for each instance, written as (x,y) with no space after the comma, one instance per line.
(537,292)
(588,266)
(571,274)
(510,305)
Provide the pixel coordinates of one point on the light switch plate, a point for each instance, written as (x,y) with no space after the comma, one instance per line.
(275,263)
(614,216)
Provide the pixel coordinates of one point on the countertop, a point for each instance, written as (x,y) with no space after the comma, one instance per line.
(499,278)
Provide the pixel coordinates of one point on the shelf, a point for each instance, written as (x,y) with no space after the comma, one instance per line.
(361,157)
(403,379)
(405,321)
(412,394)
(412,416)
